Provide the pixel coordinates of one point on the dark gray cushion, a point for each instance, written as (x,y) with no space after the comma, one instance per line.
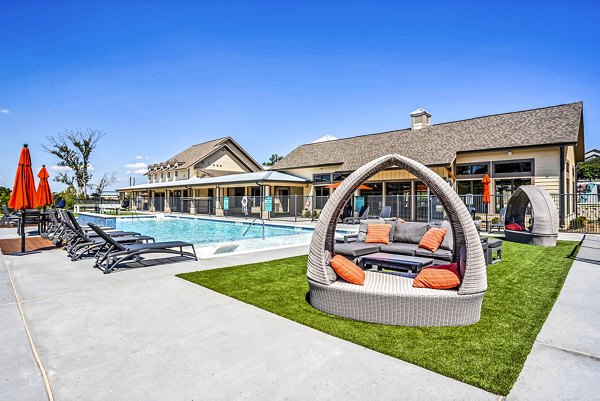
(362,228)
(355,249)
(410,232)
(441,254)
(399,248)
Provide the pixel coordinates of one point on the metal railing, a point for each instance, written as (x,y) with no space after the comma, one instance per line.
(578,213)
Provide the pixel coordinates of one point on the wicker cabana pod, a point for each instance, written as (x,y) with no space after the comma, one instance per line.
(391,299)
(544,228)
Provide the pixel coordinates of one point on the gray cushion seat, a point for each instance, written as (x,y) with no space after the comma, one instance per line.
(399,248)
(356,249)
(442,254)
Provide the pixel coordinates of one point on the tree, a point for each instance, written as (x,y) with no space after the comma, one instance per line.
(74,149)
(4,195)
(589,170)
(107,180)
(274,159)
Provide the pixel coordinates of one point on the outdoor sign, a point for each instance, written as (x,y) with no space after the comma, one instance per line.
(226,203)
(268,203)
(359,202)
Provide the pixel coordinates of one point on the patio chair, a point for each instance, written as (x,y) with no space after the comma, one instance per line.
(500,225)
(118,253)
(363,214)
(386,212)
(8,218)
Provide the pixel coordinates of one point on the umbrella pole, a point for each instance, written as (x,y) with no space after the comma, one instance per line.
(23,231)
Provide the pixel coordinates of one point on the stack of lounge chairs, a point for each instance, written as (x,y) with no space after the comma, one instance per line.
(108,246)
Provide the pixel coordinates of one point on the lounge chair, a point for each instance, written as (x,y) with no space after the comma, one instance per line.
(346,213)
(120,252)
(500,225)
(73,231)
(363,214)
(85,244)
(8,217)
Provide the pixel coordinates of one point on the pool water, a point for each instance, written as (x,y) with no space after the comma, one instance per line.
(199,231)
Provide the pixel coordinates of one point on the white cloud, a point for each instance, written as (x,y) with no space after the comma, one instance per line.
(139,157)
(60,168)
(136,168)
(4,111)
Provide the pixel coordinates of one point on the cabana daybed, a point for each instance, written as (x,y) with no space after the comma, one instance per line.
(544,217)
(391,299)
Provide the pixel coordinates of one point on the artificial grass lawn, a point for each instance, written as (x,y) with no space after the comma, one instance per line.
(489,354)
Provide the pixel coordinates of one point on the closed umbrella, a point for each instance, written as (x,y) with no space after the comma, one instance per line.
(486,196)
(44,194)
(23,195)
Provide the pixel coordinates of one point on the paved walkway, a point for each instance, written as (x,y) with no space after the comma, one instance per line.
(143,334)
(564,363)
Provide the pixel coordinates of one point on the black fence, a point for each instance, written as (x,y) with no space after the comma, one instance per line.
(578,213)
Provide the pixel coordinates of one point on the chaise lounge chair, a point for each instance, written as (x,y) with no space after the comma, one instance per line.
(8,217)
(363,214)
(120,252)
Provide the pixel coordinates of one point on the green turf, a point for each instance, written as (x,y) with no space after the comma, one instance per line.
(490,354)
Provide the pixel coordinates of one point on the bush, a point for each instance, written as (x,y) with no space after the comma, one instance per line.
(315,214)
(68,195)
(495,220)
(306,213)
(577,223)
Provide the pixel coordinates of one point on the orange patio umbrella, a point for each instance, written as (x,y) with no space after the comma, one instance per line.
(486,195)
(44,194)
(337,184)
(23,195)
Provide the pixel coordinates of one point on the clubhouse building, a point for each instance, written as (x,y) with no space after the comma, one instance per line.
(539,146)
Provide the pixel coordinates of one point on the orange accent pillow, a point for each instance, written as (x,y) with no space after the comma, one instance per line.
(439,279)
(433,239)
(347,270)
(378,233)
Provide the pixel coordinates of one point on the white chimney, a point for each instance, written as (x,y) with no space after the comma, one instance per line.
(420,118)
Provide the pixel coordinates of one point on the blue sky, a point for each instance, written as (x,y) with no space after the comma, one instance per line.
(157,77)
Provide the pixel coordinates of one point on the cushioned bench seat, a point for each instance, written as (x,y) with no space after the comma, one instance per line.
(441,254)
(356,249)
(399,248)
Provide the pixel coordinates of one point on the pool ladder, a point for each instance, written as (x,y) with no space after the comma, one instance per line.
(251,224)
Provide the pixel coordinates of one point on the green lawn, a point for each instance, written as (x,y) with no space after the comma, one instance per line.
(489,354)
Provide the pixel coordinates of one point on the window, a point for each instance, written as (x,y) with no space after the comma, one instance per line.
(472,169)
(339,176)
(505,188)
(513,168)
(176,174)
(321,178)
(168,175)
(321,191)
(474,187)
(397,188)
(162,175)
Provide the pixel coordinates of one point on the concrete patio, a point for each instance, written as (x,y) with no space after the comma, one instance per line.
(144,334)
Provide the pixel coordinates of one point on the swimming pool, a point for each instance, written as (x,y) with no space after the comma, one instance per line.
(200,231)
(209,234)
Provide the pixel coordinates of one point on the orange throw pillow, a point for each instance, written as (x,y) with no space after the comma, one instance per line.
(378,233)
(433,239)
(439,279)
(347,270)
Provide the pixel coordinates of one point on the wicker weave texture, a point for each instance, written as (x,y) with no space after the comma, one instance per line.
(386,298)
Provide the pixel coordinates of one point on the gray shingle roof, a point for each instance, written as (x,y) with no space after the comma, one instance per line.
(439,143)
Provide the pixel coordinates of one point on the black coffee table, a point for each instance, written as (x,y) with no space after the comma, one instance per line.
(392,261)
